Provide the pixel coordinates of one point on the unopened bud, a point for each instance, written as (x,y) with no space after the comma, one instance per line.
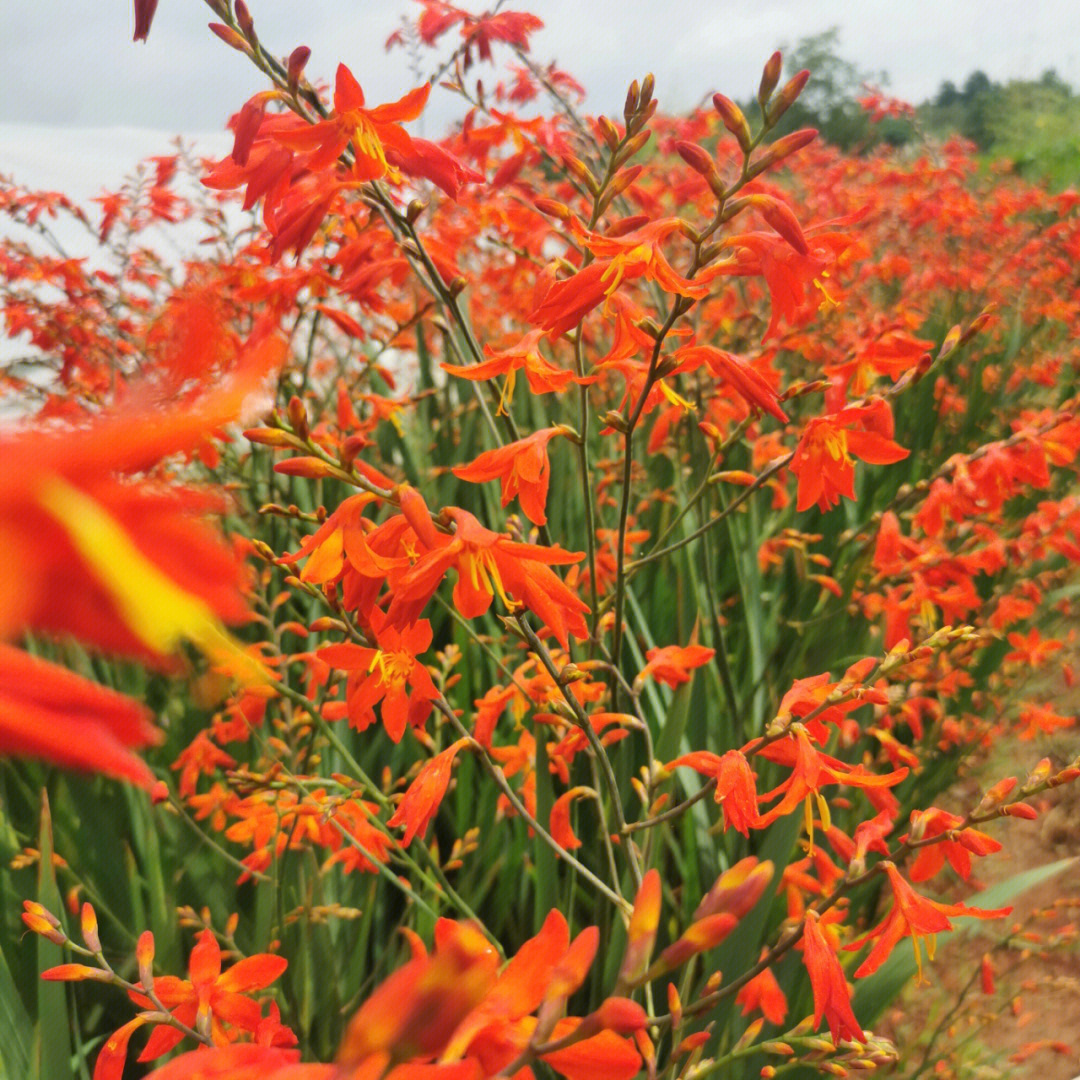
(298,419)
(89,925)
(631,106)
(631,148)
(618,186)
(770,76)
(231,37)
(551,208)
(295,67)
(414,210)
(311,468)
(702,163)
(244,21)
(783,148)
(608,132)
(615,420)
(144,953)
(582,173)
(271,437)
(786,98)
(648,84)
(732,118)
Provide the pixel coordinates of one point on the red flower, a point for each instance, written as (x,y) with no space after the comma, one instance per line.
(745,380)
(391,674)
(957,847)
(50,713)
(810,771)
(425,793)
(523,469)
(370,131)
(823,459)
(210,998)
(912,916)
(671,664)
(544,377)
(763,993)
(633,255)
(736,785)
(832,999)
(487,563)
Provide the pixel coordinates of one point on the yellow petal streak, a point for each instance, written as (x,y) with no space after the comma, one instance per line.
(160,613)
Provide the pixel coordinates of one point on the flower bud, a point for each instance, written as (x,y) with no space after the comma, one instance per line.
(295,67)
(631,105)
(311,468)
(770,76)
(244,21)
(783,148)
(608,132)
(786,98)
(144,954)
(298,419)
(648,84)
(702,163)
(89,926)
(732,118)
(231,37)
(271,437)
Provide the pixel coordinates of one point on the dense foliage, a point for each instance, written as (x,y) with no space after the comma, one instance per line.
(629,763)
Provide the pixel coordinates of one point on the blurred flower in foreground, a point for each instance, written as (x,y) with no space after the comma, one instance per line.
(125,565)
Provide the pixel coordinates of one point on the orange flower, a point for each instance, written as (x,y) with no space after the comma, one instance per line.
(823,459)
(391,674)
(543,376)
(736,785)
(671,664)
(957,847)
(487,563)
(210,999)
(832,999)
(371,131)
(421,801)
(626,257)
(763,993)
(241,1061)
(416,1010)
(523,469)
(810,771)
(50,713)
(745,380)
(912,916)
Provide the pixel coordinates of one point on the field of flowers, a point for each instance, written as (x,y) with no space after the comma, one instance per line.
(546,602)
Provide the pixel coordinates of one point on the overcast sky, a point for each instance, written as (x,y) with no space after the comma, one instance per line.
(70,67)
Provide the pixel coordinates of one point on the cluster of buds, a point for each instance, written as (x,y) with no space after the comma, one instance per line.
(831,1059)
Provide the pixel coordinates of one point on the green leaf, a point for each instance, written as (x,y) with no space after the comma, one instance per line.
(16,1028)
(52,1035)
(876,992)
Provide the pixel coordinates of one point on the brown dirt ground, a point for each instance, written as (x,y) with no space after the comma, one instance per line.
(1030,1028)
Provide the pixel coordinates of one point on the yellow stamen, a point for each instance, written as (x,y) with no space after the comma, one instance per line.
(675,398)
